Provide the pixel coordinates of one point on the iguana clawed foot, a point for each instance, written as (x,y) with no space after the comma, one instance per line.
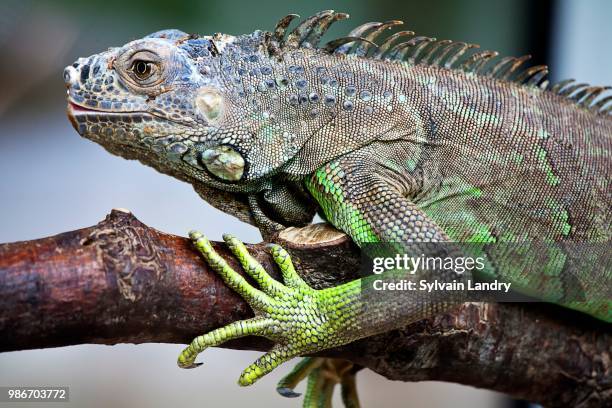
(299,319)
(323,375)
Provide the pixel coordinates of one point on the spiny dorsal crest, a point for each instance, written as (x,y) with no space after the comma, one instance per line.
(407,47)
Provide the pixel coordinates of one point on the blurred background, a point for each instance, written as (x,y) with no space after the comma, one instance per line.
(52,181)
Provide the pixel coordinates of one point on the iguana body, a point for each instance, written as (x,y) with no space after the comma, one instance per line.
(415,141)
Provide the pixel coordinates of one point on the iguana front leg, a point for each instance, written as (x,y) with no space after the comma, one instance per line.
(284,314)
(296,317)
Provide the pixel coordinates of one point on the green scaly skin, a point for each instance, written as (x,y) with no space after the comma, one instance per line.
(417,141)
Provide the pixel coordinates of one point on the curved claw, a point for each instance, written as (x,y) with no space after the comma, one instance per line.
(287,384)
(287,392)
(192,365)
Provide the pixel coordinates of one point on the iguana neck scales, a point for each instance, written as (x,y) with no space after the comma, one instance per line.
(412,140)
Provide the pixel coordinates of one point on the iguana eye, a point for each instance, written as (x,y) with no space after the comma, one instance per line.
(142,69)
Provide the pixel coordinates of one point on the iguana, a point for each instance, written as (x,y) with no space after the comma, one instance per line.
(413,140)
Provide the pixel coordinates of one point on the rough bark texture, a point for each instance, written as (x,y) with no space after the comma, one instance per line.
(121,281)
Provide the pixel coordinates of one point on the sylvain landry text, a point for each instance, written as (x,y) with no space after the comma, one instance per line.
(435,285)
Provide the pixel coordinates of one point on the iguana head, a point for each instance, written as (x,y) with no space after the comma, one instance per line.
(234,112)
(164,100)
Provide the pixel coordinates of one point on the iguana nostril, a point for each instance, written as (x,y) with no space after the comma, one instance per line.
(70,75)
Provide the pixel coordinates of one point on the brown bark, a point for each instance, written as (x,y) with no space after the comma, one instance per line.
(121,281)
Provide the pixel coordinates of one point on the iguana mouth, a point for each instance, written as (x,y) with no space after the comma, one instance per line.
(81,116)
(76,109)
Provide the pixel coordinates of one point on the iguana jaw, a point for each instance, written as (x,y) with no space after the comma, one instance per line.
(138,129)
(84,118)
(74,109)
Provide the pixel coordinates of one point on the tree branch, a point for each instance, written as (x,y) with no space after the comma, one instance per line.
(123,282)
